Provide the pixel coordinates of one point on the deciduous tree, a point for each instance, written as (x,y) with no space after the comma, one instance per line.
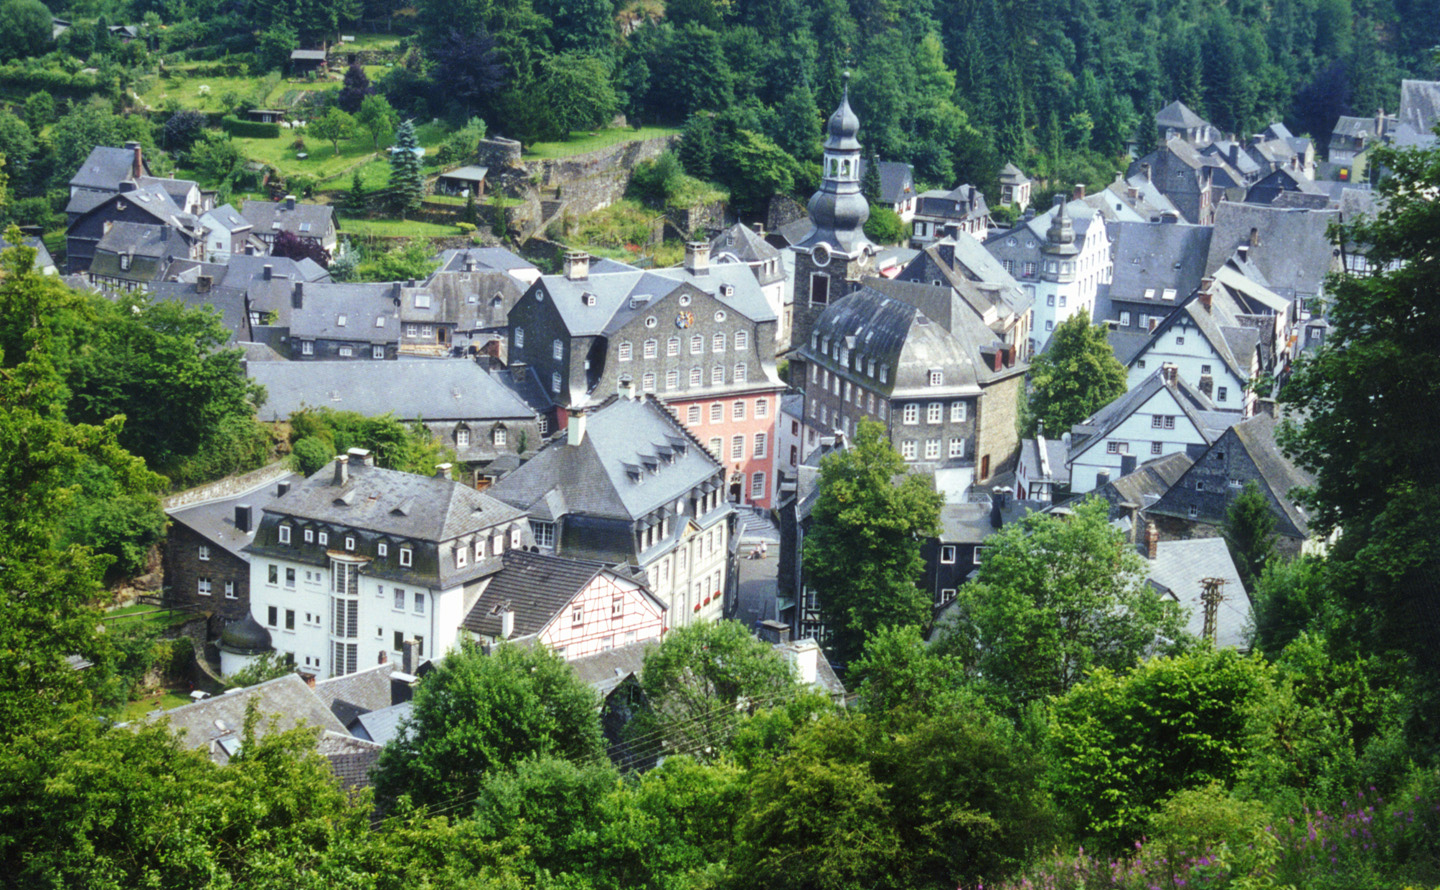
(377,118)
(333,126)
(1077,376)
(1250,533)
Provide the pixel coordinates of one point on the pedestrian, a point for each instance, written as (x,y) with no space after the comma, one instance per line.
(764,549)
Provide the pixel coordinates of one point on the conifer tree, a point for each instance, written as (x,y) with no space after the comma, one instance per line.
(870,185)
(407,180)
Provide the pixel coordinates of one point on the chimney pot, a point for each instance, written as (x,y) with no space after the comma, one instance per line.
(507,622)
(289,202)
(242,517)
(1079,191)
(774,632)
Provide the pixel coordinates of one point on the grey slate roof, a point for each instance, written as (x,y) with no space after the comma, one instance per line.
(538,587)
(467,174)
(613,293)
(383,725)
(142,239)
(1179,116)
(1294,253)
(605,671)
(499,258)
(216,724)
(447,389)
(229,217)
(1149,482)
(897,179)
(1209,420)
(424,508)
(104,168)
(351,759)
(309,220)
(1177,570)
(1055,454)
(43,259)
(215,520)
(350,695)
(1151,258)
(596,477)
(1420,105)
(744,244)
(359,312)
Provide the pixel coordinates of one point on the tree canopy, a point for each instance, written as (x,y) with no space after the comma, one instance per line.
(862,554)
(1075,377)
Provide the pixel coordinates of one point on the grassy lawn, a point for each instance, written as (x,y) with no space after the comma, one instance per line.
(581,142)
(161,618)
(397,228)
(162,700)
(324,164)
(376,42)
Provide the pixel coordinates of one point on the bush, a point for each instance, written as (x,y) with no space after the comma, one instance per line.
(309,454)
(885,226)
(250,129)
(657,181)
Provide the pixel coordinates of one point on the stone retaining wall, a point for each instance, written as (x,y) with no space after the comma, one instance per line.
(227,487)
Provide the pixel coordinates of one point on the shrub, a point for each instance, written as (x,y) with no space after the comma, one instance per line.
(250,129)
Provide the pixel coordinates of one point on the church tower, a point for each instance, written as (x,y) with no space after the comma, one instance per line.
(831,261)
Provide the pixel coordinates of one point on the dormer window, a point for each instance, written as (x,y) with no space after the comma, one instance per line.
(499,436)
(937,378)
(422,300)
(309,536)
(382,550)
(324,538)
(406,557)
(349,543)
(479,549)
(461,555)
(284,534)
(462,438)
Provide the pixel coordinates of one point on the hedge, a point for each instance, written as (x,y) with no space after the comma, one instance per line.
(250,129)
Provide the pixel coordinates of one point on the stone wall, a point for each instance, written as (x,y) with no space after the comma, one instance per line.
(498,153)
(700,217)
(999,436)
(228,486)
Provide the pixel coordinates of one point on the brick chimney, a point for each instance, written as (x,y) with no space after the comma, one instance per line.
(360,457)
(773,632)
(203,283)
(1206,297)
(137,160)
(1169,373)
(442,471)
(1152,540)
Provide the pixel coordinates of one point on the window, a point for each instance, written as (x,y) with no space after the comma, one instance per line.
(742,341)
(947,594)
(289,619)
(651,348)
(557,350)
(289,577)
(544,533)
(1222,394)
(202,587)
(1117,448)
(715,445)
(1194,512)
(426,332)
(1140,364)
(692,415)
(697,344)
(307,347)
(273,575)
(717,412)
(462,438)
(1169,421)
(911,413)
(377,352)
(514,539)
(932,449)
(1157,447)
(717,374)
(555,382)
(1062,301)
(947,554)
(577,614)
(819,289)
(1204,369)
(309,535)
(760,445)
(672,379)
(284,533)
(1050,300)
(741,373)
(205,552)
(349,543)
(462,555)
(907,449)
(406,556)
(420,603)
(519,338)
(272,616)
(419,645)
(399,641)
(934,412)
(647,381)
(324,538)
(757,486)
(1049,325)
(347,351)
(737,447)
(1125,319)
(957,447)
(625,351)
(1199,485)
(1179,340)
(762,407)
(737,411)
(958,410)
(399,600)
(412,331)
(230,590)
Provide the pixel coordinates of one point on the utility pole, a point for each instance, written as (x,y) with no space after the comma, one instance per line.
(1210,598)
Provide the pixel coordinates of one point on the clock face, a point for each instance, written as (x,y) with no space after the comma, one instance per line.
(685,319)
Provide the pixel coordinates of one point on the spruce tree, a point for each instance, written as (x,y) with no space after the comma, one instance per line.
(870,185)
(1250,532)
(407,181)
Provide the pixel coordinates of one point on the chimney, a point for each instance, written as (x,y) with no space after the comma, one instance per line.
(289,202)
(402,687)
(242,517)
(997,506)
(1254,240)
(626,388)
(282,489)
(773,632)
(342,469)
(1132,510)
(469,264)
(1152,539)
(507,621)
(297,296)
(517,372)
(269,272)
(1079,191)
(442,471)
(805,656)
(1132,193)
(361,457)
(577,265)
(128,186)
(1169,373)
(1102,478)
(203,283)
(1265,406)
(1206,286)
(1169,218)
(137,161)
(1243,253)
(409,657)
(697,257)
(309,679)
(576,434)
(1145,171)
(164,233)
(1128,463)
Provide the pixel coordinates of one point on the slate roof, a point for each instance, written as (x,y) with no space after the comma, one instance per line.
(1149,482)
(229,217)
(499,258)
(351,759)
(976,275)
(460,298)
(104,168)
(961,202)
(969,523)
(897,179)
(430,390)
(43,260)
(598,477)
(217,723)
(368,312)
(1208,420)
(538,587)
(1177,570)
(350,695)
(1232,341)
(423,508)
(605,671)
(1012,175)
(1153,258)
(1179,116)
(1354,127)
(614,291)
(1294,253)
(1055,454)
(383,725)
(1420,105)
(744,244)
(214,520)
(309,220)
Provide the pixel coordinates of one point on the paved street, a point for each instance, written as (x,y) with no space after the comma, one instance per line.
(757,585)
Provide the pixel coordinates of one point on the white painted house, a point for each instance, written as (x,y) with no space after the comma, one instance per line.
(356,560)
(1160,415)
(226,232)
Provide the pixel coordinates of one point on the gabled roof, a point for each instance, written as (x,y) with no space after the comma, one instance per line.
(229,217)
(216,724)
(1420,105)
(1291,249)
(309,55)
(1354,127)
(460,298)
(466,174)
(1207,419)
(351,759)
(428,390)
(615,298)
(1179,116)
(309,220)
(539,588)
(214,520)
(744,244)
(1232,341)
(604,671)
(962,202)
(383,725)
(897,179)
(635,458)
(1153,260)
(350,695)
(423,508)
(1149,482)
(454,259)
(142,239)
(105,168)
(1178,569)
(1012,175)
(359,312)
